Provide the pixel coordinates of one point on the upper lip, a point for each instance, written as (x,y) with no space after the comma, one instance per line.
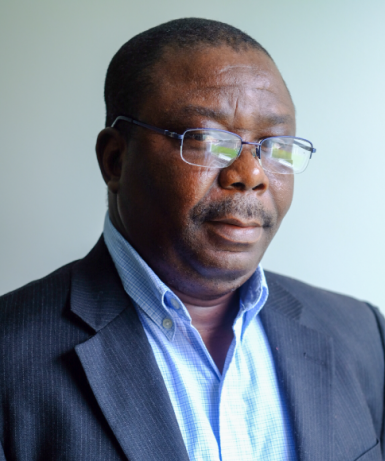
(237,222)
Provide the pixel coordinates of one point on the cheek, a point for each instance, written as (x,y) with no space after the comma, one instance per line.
(165,185)
(282,188)
(181,187)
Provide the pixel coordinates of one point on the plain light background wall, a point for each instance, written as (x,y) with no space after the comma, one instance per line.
(53,58)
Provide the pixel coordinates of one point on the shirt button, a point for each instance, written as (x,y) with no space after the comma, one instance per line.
(167,323)
(174,303)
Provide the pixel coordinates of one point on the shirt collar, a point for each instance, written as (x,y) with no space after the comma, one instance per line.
(156,299)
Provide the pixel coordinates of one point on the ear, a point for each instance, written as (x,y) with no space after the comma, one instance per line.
(110,149)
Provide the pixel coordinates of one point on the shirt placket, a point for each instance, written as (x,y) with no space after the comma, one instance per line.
(228,395)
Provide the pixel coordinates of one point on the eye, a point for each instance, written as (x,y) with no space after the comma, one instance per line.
(202,137)
(267,145)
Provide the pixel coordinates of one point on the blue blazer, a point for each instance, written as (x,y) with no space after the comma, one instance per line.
(79,381)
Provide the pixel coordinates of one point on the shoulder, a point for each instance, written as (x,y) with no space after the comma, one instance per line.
(51,287)
(35,305)
(316,298)
(37,332)
(45,304)
(335,314)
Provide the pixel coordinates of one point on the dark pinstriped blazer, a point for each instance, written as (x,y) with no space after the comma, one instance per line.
(79,381)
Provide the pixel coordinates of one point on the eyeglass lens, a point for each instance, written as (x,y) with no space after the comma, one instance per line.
(218,149)
(285,155)
(212,149)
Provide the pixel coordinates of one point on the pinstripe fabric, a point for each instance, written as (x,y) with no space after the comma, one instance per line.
(236,415)
(329,341)
(107,400)
(40,389)
(121,368)
(147,431)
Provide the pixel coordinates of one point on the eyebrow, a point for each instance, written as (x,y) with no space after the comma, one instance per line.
(218,115)
(204,111)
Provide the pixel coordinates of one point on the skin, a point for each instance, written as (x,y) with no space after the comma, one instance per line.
(159,203)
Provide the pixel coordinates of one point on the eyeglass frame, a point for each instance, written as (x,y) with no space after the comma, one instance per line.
(172,134)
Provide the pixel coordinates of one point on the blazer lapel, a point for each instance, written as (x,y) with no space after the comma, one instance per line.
(305,367)
(120,366)
(128,386)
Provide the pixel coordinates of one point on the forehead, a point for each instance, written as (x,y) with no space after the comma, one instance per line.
(219,83)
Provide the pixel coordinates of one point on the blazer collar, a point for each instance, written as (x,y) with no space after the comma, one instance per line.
(120,366)
(97,295)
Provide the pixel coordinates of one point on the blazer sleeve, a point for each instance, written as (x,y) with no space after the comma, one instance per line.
(381,327)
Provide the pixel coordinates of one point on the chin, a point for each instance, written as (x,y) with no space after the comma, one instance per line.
(229,265)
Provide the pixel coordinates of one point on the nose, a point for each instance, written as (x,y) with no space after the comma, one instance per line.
(245,174)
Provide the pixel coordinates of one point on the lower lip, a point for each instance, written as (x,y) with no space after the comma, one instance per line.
(236,234)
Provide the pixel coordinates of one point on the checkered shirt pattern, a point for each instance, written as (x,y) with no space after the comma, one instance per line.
(239,415)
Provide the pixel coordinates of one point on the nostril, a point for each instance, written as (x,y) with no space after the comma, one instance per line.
(238,185)
(261,186)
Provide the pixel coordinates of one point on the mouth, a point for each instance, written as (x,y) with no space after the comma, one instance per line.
(236,230)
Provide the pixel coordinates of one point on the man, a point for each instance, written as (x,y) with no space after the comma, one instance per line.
(168,341)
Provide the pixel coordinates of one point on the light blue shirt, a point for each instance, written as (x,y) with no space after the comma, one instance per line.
(239,415)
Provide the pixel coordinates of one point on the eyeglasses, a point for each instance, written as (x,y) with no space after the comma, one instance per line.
(215,148)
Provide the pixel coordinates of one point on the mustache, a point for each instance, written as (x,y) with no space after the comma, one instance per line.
(237,206)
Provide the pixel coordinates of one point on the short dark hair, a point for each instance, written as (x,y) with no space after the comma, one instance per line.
(128,79)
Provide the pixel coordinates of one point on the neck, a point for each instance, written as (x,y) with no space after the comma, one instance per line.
(214,321)
(211,314)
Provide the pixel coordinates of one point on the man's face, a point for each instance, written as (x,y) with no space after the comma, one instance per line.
(198,228)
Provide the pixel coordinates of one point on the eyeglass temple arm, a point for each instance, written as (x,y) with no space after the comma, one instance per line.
(170,134)
(311,149)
